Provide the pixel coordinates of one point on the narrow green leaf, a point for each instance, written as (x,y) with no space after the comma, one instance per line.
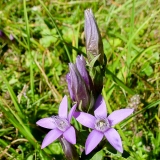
(13,96)
(119,82)
(59,33)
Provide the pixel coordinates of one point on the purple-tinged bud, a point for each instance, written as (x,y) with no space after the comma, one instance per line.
(69,149)
(94,45)
(79,84)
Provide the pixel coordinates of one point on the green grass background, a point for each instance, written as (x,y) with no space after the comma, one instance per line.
(48,35)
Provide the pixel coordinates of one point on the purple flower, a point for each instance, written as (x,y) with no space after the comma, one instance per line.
(60,125)
(94,45)
(102,125)
(79,84)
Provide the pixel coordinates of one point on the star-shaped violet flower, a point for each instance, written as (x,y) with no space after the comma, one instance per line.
(59,124)
(102,125)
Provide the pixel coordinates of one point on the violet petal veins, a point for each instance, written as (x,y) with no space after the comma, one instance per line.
(59,124)
(102,125)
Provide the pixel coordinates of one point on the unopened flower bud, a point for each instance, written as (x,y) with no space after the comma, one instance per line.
(69,150)
(79,84)
(94,45)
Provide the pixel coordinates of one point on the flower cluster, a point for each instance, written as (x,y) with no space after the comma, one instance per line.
(90,108)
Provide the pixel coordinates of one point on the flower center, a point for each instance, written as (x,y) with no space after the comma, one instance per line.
(61,123)
(102,124)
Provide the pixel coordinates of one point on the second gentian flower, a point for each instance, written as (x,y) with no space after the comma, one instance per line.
(102,125)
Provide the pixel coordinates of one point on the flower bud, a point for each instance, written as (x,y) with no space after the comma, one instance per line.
(69,150)
(79,84)
(94,45)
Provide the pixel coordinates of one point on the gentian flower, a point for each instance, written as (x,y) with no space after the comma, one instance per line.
(94,49)
(102,125)
(80,84)
(94,45)
(60,125)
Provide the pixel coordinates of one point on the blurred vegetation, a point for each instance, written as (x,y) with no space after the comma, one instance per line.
(48,35)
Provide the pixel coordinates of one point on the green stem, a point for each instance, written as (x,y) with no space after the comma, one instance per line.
(65,46)
(29,50)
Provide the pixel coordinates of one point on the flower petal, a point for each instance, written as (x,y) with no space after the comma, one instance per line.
(119,115)
(100,107)
(46,123)
(63,108)
(114,139)
(50,137)
(71,112)
(70,135)
(85,119)
(92,141)
(68,79)
(81,66)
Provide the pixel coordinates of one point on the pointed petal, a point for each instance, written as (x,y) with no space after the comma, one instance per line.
(100,107)
(85,119)
(70,135)
(71,112)
(119,115)
(50,137)
(93,140)
(46,123)
(63,108)
(114,139)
